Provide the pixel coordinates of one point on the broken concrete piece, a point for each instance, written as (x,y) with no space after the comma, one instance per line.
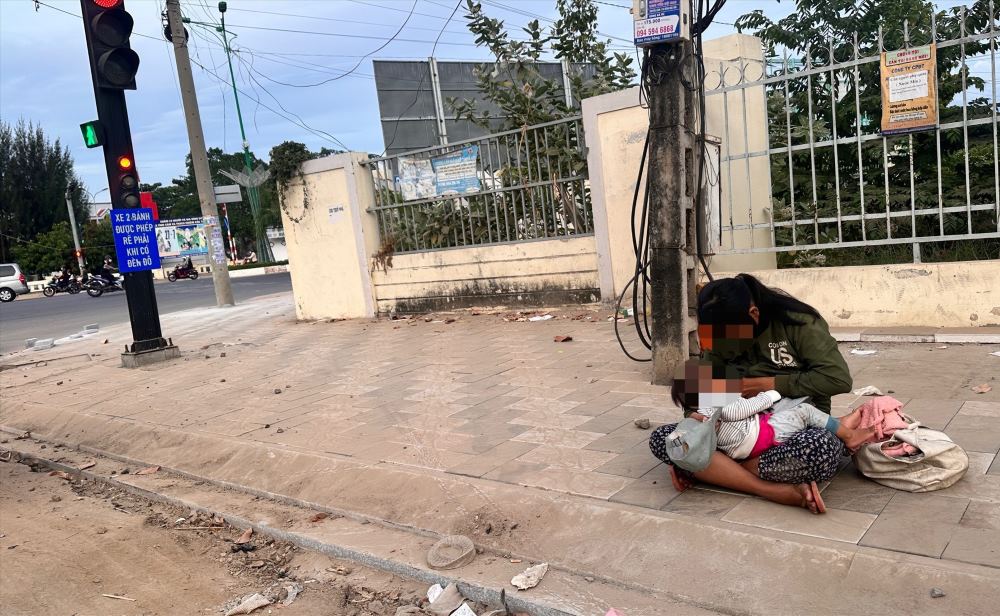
(863,352)
(936,593)
(530,577)
(642,423)
(445,601)
(245,537)
(544,317)
(249,604)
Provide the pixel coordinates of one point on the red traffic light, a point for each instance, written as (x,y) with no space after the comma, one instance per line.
(107,4)
(124,163)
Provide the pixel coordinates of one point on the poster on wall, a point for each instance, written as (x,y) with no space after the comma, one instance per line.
(457,173)
(909,97)
(182,237)
(416,179)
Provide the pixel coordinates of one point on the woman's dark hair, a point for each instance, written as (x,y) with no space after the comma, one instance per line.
(727,302)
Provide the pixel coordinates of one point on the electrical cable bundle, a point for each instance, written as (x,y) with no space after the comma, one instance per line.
(651,73)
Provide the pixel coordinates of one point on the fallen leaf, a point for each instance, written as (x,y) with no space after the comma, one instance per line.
(149,470)
(245,537)
(61,474)
(563,338)
(319,517)
(982,389)
(88,465)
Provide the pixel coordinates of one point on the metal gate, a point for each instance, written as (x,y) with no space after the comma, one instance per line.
(835,180)
(532,185)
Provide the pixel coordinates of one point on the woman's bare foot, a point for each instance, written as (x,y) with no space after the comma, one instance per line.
(681,479)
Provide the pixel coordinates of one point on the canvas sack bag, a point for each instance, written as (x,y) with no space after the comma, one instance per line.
(691,444)
(938,464)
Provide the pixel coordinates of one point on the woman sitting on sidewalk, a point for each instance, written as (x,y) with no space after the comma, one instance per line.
(775,342)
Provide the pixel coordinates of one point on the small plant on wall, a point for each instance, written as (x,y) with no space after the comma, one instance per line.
(286,165)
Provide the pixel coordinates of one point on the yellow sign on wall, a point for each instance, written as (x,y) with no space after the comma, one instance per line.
(909,90)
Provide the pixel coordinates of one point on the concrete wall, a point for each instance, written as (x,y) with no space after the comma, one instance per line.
(327,248)
(525,273)
(616,125)
(964,294)
(738,119)
(333,275)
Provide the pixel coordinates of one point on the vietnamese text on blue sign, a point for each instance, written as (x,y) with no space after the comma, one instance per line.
(135,239)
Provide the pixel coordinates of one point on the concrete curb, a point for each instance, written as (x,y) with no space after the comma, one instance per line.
(938,336)
(631,547)
(469,589)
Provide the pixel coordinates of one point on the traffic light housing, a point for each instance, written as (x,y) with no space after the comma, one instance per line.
(128,182)
(108,27)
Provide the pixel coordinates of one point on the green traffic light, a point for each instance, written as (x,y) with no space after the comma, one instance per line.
(92,134)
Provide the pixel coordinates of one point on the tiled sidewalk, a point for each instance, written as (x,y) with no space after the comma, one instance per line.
(500,400)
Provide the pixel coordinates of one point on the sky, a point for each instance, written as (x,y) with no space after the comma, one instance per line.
(44,73)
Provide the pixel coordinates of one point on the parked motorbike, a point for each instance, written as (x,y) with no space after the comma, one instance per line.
(71,286)
(183,272)
(97,286)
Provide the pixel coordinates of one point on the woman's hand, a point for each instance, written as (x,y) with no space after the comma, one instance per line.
(754,385)
(697,416)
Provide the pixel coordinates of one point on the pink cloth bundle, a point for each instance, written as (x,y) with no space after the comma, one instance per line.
(883,414)
(899,450)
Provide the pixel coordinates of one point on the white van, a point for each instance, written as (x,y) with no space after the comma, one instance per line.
(12,282)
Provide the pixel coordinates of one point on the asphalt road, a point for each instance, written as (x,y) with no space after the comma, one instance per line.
(62,315)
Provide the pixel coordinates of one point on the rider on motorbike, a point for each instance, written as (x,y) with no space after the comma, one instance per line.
(186,265)
(107,270)
(64,278)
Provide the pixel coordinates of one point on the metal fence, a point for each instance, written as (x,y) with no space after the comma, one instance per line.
(834,180)
(532,185)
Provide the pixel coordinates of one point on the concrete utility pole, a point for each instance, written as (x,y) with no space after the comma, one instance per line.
(72,224)
(199,158)
(674,157)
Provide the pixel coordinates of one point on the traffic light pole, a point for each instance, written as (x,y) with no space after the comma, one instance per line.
(199,157)
(76,235)
(113,66)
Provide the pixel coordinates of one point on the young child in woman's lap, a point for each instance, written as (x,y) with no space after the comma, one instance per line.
(745,430)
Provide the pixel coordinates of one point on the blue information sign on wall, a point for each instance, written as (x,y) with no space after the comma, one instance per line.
(135,239)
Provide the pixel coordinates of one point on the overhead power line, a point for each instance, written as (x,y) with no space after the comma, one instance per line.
(339,19)
(342,35)
(416,96)
(300,123)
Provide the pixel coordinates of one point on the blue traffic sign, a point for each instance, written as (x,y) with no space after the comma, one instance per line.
(135,239)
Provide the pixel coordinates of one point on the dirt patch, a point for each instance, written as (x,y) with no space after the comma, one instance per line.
(67,544)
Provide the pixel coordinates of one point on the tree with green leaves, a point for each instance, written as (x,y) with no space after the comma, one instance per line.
(46,252)
(808,37)
(34,175)
(513,82)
